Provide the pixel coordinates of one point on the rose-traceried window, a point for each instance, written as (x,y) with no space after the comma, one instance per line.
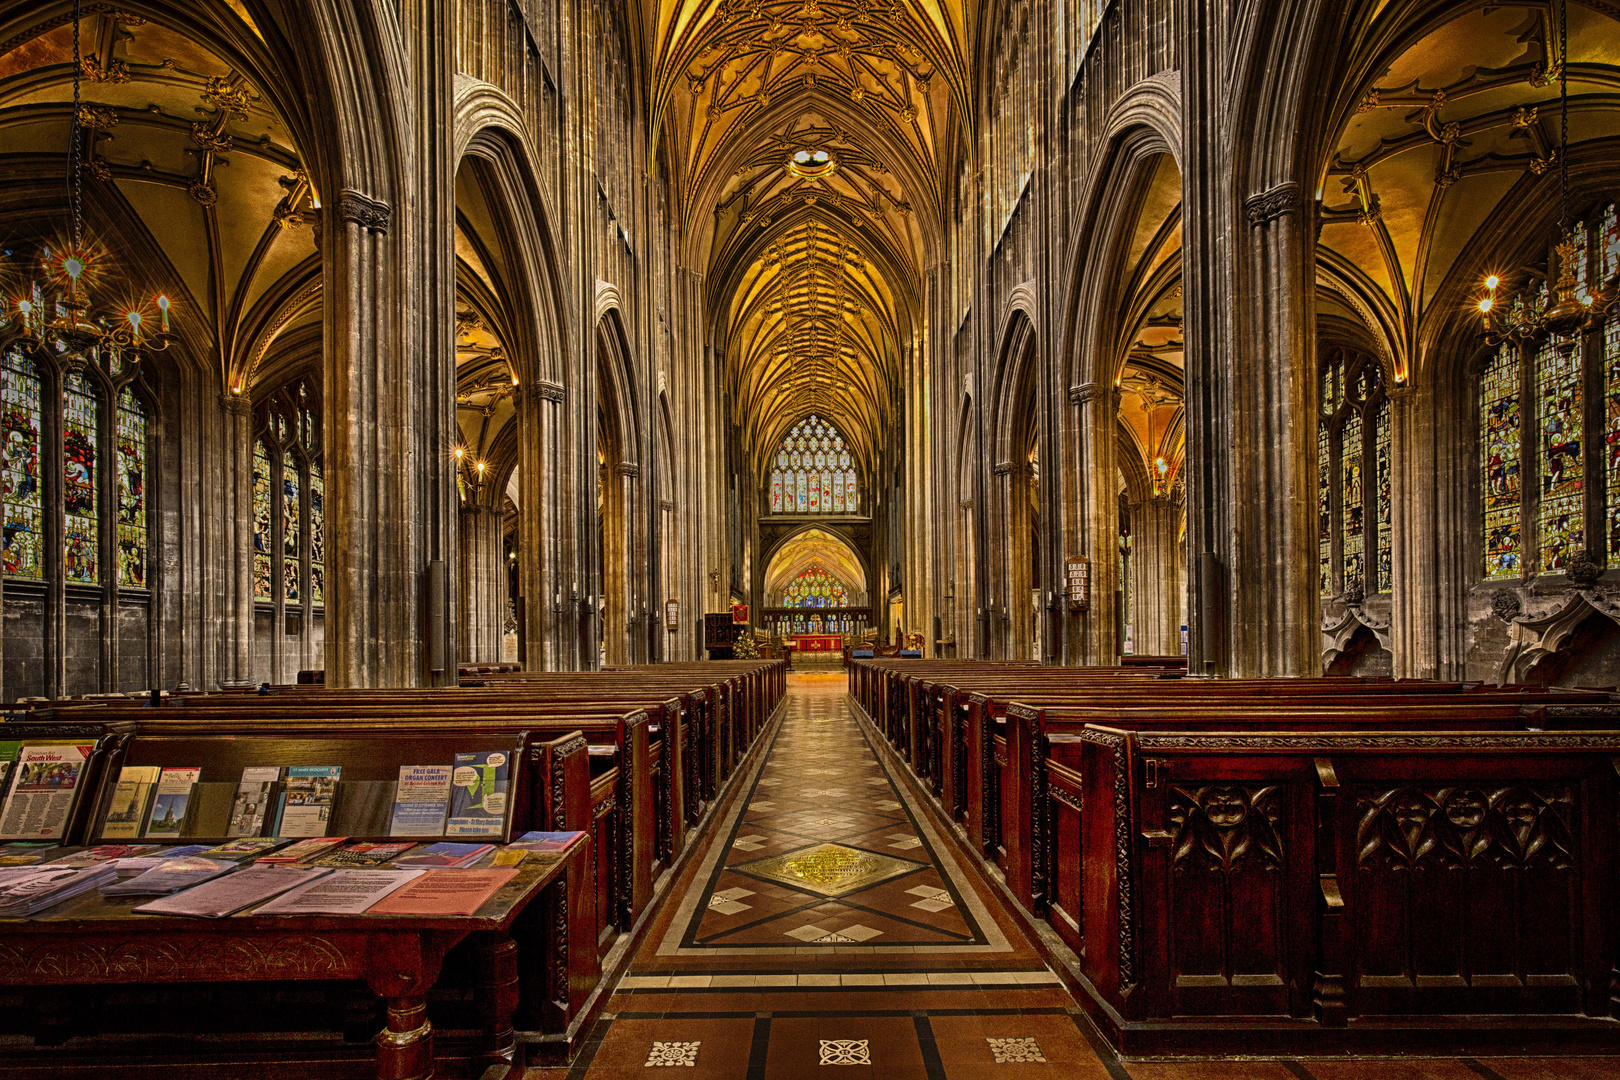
(813,471)
(815,588)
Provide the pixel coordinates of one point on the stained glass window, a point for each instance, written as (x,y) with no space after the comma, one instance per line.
(1350,466)
(1499,462)
(292,562)
(1324,507)
(80,532)
(19,466)
(813,471)
(130,447)
(317,535)
(1560,520)
(815,587)
(1611,450)
(263,534)
(1385,496)
(1352,452)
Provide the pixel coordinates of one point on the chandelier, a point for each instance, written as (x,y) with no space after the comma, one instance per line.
(1571,306)
(55,309)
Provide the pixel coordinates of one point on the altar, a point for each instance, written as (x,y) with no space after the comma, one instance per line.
(818,643)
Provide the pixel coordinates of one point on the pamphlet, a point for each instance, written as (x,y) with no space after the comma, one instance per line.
(364,855)
(445,856)
(510,857)
(227,895)
(245,849)
(445,892)
(546,841)
(253,795)
(47,886)
(168,814)
(127,808)
(304,851)
(105,853)
(342,892)
(170,875)
(478,795)
(26,854)
(307,798)
(420,800)
(140,864)
(42,791)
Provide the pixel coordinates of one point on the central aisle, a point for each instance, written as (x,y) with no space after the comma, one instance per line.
(828,923)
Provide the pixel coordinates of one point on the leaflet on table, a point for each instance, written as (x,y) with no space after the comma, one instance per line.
(365,855)
(546,841)
(244,849)
(227,895)
(420,800)
(253,795)
(478,794)
(306,800)
(106,853)
(170,875)
(27,854)
(48,886)
(42,791)
(342,892)
(304,850)
(445,856)
(167,817)
(140,864)
(127,807)
(444,892)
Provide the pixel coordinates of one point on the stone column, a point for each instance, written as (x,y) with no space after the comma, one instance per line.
(1274,612)
(482,584)
(236,655)
(1098,522)
(1159,567)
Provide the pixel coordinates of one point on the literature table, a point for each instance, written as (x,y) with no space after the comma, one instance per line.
(95,940)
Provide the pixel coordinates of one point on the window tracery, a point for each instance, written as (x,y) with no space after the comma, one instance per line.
(100,425)
(289,495)
(1353,483)
(815,587)
(814,472)
(1535,422)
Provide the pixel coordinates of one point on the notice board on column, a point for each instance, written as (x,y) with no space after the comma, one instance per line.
(1077,576)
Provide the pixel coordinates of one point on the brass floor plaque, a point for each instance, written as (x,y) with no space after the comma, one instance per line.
(829,869)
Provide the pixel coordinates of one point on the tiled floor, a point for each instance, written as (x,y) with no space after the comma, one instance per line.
(828,931)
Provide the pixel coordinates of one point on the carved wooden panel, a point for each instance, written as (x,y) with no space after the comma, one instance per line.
(45,959)
(1465,887)
(1227,914)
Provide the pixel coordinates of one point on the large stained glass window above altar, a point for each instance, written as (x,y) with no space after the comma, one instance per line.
(814,472)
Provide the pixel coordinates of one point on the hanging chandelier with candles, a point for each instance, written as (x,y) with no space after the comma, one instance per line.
(54,307)
(1572,305)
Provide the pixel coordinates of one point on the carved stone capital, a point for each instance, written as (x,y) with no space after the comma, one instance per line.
(548,390)
(236,404)
(1506,605)
(1079,395)
(1002,468)
(363,210)
(1268,205)
(627,468)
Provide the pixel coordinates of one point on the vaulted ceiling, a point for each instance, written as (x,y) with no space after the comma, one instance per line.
(810,140)
(183,145)
(1439,135)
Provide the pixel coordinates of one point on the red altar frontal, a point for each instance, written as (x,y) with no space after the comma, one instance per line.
(818,643)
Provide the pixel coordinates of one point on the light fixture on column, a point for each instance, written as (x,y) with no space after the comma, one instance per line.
(55,308)
(1572,306)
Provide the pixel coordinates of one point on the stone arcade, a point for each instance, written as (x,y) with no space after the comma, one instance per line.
(611,380)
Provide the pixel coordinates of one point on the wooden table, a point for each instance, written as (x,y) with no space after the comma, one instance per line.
(94,940)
